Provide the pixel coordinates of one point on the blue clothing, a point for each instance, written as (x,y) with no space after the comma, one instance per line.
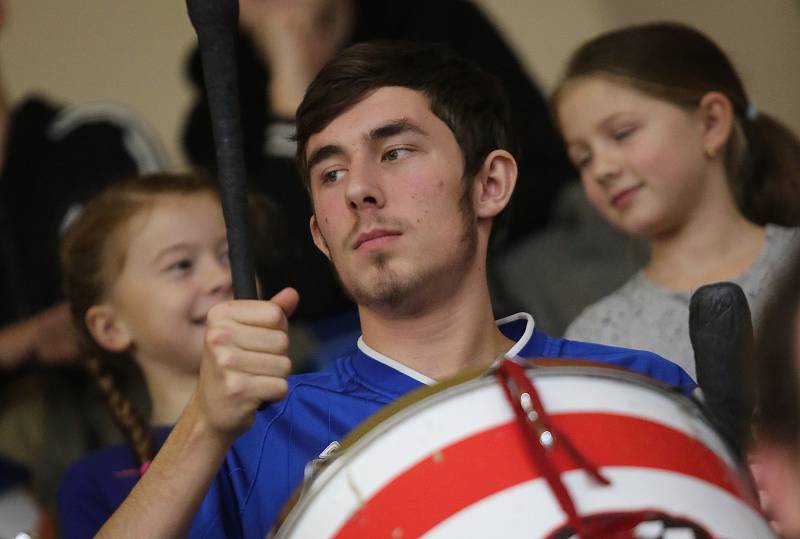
(95,485)
(266,464)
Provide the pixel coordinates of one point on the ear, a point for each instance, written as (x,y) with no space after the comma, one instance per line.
(106,328)
(716,115)
(776,471)
(494,184)
(319,239)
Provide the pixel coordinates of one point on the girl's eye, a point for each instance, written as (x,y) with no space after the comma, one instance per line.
(581,161)
(180,266)
(622,134)
(395,153)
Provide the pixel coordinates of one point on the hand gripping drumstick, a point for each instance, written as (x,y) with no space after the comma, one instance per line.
(215,22)
(722,338)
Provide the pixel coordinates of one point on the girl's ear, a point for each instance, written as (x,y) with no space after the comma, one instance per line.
(716,115)
(494,184)
(107,329)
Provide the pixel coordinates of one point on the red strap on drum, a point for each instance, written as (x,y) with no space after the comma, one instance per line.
(543,437)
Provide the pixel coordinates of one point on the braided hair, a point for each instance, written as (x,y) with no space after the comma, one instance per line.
(93,253)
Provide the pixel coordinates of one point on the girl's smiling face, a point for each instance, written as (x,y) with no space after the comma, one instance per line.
(641,159)
(175,268)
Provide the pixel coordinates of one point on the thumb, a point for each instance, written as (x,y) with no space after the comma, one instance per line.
(287,299)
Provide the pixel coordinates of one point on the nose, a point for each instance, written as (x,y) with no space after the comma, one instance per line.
(219,280)
(364,189)
(605,167)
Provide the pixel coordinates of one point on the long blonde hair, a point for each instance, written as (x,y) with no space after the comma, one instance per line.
(92,255)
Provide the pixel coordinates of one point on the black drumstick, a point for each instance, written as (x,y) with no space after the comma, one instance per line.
(721,332)
(215,22)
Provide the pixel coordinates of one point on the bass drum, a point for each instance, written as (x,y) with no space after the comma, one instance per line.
(451,461)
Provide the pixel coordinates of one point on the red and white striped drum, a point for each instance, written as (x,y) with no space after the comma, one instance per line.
(457,464)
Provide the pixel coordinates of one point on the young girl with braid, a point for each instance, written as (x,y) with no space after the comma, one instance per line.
(671,149)
(143,264)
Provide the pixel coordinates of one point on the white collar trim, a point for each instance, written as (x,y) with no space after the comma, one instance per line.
(419,377)
(526,335)
(396,365)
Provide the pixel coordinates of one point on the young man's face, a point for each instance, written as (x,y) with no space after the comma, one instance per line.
(389,206)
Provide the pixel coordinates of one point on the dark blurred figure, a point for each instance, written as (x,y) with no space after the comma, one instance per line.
(776,364)
(283,44)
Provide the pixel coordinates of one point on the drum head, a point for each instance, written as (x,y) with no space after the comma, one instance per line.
(450,461)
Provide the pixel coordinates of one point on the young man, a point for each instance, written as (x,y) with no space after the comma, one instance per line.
(407,157)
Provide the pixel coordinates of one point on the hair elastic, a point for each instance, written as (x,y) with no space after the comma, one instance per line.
(751,113)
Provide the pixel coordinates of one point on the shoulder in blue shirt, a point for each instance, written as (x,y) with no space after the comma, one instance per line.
(266,464)
(95,485)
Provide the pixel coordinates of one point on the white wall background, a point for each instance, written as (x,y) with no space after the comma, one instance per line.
(134,51)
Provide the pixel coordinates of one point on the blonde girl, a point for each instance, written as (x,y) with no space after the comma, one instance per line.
(671,149)
(143,264)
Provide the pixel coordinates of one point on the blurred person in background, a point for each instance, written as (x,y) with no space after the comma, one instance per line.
(671,150)
(776,369)
(52,159)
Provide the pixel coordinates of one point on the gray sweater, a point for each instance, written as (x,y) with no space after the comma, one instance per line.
(645,316)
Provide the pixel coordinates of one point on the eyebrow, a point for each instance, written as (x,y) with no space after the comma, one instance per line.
(321,154)
(395,127)
(166,251)
(604,123)
(387,130)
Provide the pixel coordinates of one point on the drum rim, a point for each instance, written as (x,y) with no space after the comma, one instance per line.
(401,409)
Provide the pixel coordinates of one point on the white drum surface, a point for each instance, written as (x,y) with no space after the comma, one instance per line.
(419,438)
(530,510)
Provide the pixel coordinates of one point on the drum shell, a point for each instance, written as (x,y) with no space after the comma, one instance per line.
(455,465)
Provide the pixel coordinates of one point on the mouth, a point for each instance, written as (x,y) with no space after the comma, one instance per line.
(374,239)
(621,199)
(198,320)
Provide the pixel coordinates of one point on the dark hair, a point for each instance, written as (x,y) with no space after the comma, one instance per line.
(776,361)
(471,102)
(678,64)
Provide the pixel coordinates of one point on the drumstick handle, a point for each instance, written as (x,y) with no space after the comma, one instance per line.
(215,22)
(721,332)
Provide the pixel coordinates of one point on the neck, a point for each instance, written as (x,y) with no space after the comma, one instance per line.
(715,243)
(452,332)
(169,391)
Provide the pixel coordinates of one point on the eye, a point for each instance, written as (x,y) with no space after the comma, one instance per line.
(623,133)
(396,153)
(582,160)
(223,257)
(332,176)
(180,267)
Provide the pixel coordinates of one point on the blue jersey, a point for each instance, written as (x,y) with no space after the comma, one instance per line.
(95,485)
(266,464)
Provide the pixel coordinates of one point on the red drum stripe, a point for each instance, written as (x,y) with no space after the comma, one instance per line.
(497,459)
